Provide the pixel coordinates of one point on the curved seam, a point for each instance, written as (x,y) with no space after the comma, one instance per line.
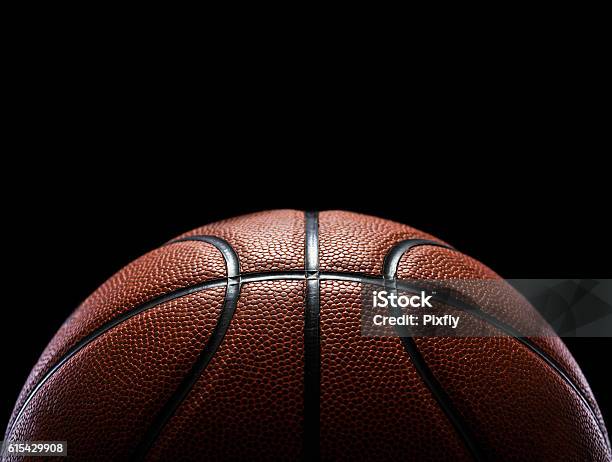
(78,346)
(419,363)
(507,329)
(393,257)
(294,275)
(514,334)
(232,294)
(232,263)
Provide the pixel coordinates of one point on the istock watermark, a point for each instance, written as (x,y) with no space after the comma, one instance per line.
(483,308)
(383,299)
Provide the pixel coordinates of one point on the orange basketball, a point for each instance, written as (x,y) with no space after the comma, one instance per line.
(241,340)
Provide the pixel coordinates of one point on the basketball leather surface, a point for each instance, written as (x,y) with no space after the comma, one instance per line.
(180,356)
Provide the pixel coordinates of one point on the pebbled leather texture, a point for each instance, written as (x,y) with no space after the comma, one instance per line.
(373,403)
(165,269)
(100,384)
(248,403)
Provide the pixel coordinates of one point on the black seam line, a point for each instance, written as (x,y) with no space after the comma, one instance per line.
(519,337)
(211,284)
(439,394)
(113,323)
(312,345)
(551,362)
(390,264)
(179,395)
(232,263)
(476,312)
(246,278)
(437,390)
(232,294)
(394,256)
(390,273)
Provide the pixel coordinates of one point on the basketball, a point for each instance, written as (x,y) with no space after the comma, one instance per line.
(242,340)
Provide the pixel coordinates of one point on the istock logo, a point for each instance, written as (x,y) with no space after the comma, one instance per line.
(383,299)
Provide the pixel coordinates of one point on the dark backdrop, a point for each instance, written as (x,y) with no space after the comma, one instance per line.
(68,233)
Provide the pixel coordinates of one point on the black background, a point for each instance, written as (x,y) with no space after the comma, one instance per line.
(107,157)
(111,149)
(71,230)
